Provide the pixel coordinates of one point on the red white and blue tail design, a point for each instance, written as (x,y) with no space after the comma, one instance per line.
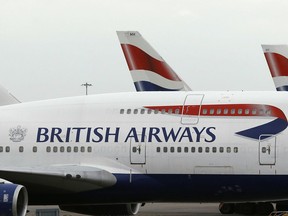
(148,69)
(277,60)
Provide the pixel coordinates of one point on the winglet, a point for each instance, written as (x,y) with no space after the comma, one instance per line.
(277,60)
(148,69)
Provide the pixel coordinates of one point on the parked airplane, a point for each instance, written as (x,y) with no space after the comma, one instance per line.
(148,69)
(277,60)
(108,154)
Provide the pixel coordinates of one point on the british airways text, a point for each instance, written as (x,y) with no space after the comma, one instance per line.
(107,134)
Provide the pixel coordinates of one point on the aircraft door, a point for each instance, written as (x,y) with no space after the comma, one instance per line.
(137,151)
(267,150)
(191,109)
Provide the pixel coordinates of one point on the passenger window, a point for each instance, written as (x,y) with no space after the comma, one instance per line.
(235,150)
(221,149)
(165,149)
(204,112)
(142,111)
(134,149)
(219,111)
(177,111)
(163,111)
(62,149)
(135,111)
(232,111)
(239,111)
(75,149)
(1,148)
(7,149)
(170,111)
(214,149)
(172,149)
(21,149)
(89,149)
(158,149)
(149,111)
(156,111)
(55,149)
(225,111)
(185,149)
(48,149)
(247,111)
(34,149)
(121,111)
(192,149)
(228,149)
(128,111)
(82,149)
(254,111)
(211,111)
(264,150)
(69,149)
(200,149)
(179,149)
(207,149)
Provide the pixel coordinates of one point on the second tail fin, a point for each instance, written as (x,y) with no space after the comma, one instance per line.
(277,60)
(148,69)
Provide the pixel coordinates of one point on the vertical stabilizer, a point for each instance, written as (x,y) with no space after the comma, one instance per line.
(277,60)
(148,69)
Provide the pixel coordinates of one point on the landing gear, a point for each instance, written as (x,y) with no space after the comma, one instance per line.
(263,208)
(281,207)
(226,208)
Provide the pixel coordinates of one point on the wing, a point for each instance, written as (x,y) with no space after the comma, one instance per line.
(65,178)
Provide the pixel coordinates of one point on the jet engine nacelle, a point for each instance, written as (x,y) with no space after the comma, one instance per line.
(117,209)
(13,200)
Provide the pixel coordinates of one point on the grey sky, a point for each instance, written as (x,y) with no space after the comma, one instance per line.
(48,48)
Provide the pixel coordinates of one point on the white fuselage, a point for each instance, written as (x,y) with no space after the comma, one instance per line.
(123,134)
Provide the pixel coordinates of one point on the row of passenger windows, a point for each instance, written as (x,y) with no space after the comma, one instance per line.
(234,111)
(52,149)
(211,111)
(148,111)
(197,149)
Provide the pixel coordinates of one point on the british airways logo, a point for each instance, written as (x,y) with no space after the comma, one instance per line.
(108,134)
(276,117)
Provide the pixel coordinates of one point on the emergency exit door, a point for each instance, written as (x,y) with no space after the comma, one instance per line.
(267,150)
(191,109)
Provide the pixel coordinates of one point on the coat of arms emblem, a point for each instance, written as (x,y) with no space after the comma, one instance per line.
(17,134)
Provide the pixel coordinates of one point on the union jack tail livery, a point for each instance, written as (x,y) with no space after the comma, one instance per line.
(277,60)
(148,69)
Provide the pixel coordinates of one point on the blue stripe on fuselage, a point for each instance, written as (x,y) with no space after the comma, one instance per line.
(282,88)
(272,128)
(148,86)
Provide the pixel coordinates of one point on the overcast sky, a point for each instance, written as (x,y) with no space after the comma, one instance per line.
(48,48)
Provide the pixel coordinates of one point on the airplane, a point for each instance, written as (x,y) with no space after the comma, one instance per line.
(108,154)
(276,57)
(148,69)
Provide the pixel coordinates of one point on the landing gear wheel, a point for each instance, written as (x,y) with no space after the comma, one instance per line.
(264,208)
(226,208)
(245,208)
(281,207)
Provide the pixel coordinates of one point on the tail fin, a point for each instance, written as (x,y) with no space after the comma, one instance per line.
(148,69)
(277,60)
(7,98)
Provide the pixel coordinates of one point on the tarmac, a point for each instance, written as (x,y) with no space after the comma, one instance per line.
(154,209)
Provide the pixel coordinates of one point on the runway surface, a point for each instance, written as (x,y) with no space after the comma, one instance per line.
(157,209)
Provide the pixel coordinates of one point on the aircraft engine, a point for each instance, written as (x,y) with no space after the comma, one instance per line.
(13,200)
(117,209)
